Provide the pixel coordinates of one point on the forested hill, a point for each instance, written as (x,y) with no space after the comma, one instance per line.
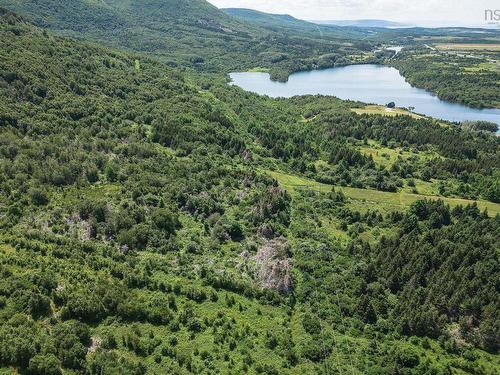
(266,18)
(154,221)
(191,33)
(284,21)
(157,26)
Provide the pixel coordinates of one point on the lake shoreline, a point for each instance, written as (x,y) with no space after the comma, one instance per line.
(368,83)
(368,62)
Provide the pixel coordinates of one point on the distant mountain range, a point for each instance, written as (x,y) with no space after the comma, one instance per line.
(277,21)
(363,23)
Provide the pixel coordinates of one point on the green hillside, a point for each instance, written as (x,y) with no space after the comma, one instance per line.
(267,18)
(164,27)
(145,228)
(191,33)
(281,22)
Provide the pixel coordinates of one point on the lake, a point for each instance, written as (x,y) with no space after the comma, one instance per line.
(366,83)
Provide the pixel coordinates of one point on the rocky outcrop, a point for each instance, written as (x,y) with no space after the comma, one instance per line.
(274,265)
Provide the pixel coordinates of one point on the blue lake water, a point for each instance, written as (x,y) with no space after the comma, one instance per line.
(366,83)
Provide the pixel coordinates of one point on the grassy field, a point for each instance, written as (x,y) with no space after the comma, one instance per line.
(495,67)
(258,69)
(469,46)
(386,156)
(366,199)
(381,110)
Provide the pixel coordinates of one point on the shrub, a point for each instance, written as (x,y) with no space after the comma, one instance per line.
(44,365)
(165,220)
(39,197)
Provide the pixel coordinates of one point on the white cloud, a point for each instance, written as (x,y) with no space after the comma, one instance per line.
(443,12)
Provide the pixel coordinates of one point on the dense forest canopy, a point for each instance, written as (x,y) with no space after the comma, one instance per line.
(155,220)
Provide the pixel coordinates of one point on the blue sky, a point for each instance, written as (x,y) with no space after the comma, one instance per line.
(421,12)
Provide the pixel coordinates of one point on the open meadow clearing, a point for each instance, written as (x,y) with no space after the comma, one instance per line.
(384,111)
(469,46)
(367,199)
